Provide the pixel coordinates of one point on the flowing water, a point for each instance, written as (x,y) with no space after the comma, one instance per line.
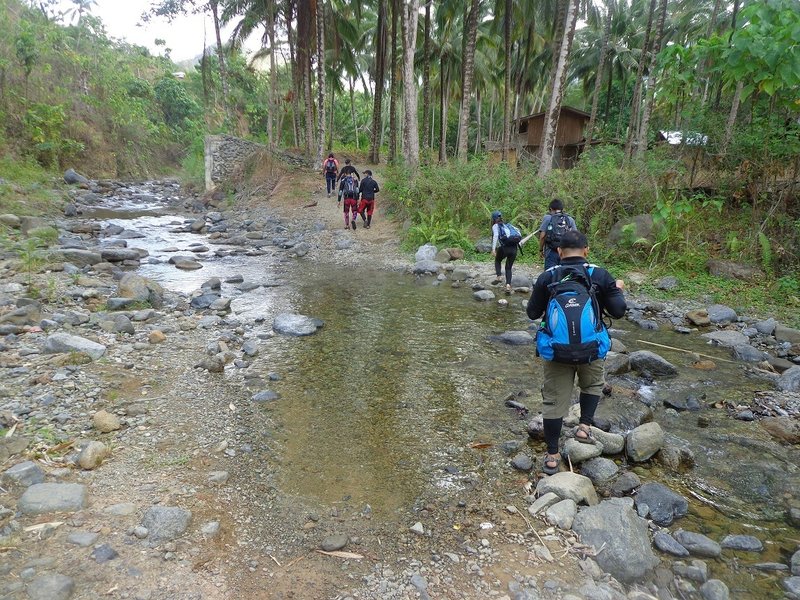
(381,406)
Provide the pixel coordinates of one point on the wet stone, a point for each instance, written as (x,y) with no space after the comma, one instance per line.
(666,543)
(714,589)
(697,543)
(522,462)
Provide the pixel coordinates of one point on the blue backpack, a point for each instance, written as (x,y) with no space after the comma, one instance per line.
(572,330)
(509,235)
(349,186)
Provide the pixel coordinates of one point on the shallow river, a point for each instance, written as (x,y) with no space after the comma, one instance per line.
(382,404)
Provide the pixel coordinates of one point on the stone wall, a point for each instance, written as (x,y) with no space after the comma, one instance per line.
(223,153)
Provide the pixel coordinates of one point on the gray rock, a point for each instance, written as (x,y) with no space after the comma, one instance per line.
(24,474)
(766,327)
(29,314)
(746,543)
(668,284)
(612,443)
(617,364)
(426,266)
(106,422)
(792,586)
(295,325)
(614,527)
(569,485)
(747,353)
(221,304)
(625,483)
(483,245)
(119,254)
(334,542)
(417,528)
(789,381)
(72,177)
(697,571)
(514,338)
(726,338)
(714,589)
(104,553)
(543,502)
(600,470)
(698,544)
(185,264)
(218,477)
(165,523)
(719,314)
(787,334)
(10,220)
(124,509)
(84,539)
(644,441)
(522,462)
(666,543)
(77,256)
(51,586)
(204,300)
(250,348)
(119,303)
(562,513)
(579,452)
(426,253)
(301,249)
(483,295)
(140,532)
(141,289)
(64,343)
(92,455)
(664,505)
(265,396)
(652,364)
(343,244)
(795,563)
(42,498)
(210,529)
(421,585)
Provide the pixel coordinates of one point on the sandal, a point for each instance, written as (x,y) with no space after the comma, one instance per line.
(587,431)
(548,459)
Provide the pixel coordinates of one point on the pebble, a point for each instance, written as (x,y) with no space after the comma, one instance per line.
(104,553)
(334,542)
(417,528)
(105,422)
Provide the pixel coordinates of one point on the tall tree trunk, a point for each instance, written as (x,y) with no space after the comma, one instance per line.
(393,92)
(507,80)
(410,113)
(426,80)
(609,88)
(331,118)
(478,122)
(353,110)
(598,81)
(737,96)
(376,137)
(557,93)
(320,22)
(223,72)
(633,123)
(706,63)
(641,136)
(490,133)
(295,71)
(442,114)
(273,73)
(468,71)
(306,10)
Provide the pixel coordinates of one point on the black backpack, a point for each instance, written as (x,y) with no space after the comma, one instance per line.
(349,187)
(559,225)
(330,166)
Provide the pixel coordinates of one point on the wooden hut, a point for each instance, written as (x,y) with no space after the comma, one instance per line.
(570,137)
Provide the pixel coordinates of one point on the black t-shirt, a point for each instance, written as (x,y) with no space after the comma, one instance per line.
(369,187)
(348,170)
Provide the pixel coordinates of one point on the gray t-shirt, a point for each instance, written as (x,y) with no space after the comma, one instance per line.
(549,217)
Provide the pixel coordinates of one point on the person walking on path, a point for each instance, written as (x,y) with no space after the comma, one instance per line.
(505,243)
(348,192)
(554,225)
(330,168)
(368,189)
(584,292)
(349,169)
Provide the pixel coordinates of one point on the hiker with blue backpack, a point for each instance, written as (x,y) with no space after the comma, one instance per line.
(571,299)
(505,243)
(348,192)
(554,225)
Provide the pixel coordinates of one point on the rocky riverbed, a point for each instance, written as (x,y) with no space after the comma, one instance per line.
(176,423)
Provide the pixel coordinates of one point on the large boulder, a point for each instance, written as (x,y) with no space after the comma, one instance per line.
(569,485)
(660,503)
(644,441)
(789,381)
(613,526)
(720,314)
(120,254)
(76,256)
(295,325)
(74,178)
(787,334)
(732,270)
(632,229)
(619,413)
(140,289)
(64,343)
(651,364)
(426,266)
(426,252)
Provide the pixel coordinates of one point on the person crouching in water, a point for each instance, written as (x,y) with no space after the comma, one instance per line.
(368,189)
(348,193)
(502,251)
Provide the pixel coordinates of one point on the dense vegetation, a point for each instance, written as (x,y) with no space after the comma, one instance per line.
(426,86)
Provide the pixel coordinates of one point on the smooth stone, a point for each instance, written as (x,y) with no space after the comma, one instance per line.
(483,295)
(666,543)
(417,528)
(106,422)
(612,443)
(569,485)
(514,338)
(792,585)
(42,498)
(522,462)
(24,474)
(84,539)
(92,455)
(719,314)
(60,343)
(746,543)
(600,470)
(562,513)
(714,589)
(543,502)
(726,338)
(265,396)
(51,586)
(795,563)
(644,361)
(664,505)
(698,544)
(426,266)
(644,441)
(125,509)
(334,542)
(210,529)
(218,477)
(104,553)
(295,324)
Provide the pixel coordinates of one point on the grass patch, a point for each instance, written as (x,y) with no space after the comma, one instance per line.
(27,188)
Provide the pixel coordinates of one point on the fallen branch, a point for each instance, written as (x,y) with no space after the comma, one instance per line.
(686,351)
(341,554)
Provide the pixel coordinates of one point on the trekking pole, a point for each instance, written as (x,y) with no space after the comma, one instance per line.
(686,351)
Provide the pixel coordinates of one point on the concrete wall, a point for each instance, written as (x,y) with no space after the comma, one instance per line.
(223,153)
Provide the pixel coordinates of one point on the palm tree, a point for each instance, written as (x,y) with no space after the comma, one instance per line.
(468,74)
(380,77)
(411,128)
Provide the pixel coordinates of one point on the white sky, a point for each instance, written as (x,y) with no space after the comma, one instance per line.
(122,19)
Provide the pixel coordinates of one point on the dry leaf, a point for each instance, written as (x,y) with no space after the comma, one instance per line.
(342,554)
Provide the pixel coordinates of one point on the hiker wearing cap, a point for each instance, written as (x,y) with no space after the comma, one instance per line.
(505,243)
(571,298)
(330,168)
(368,189)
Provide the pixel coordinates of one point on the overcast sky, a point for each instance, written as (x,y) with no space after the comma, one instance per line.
(184,35)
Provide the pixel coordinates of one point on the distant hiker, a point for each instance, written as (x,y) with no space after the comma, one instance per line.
(348,192)
(505,243)
(349,169)
(554,225)
(572,339)
(368,189)
(330,168)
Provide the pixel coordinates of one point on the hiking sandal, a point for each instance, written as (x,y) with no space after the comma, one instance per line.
(552,470)
(587,431)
